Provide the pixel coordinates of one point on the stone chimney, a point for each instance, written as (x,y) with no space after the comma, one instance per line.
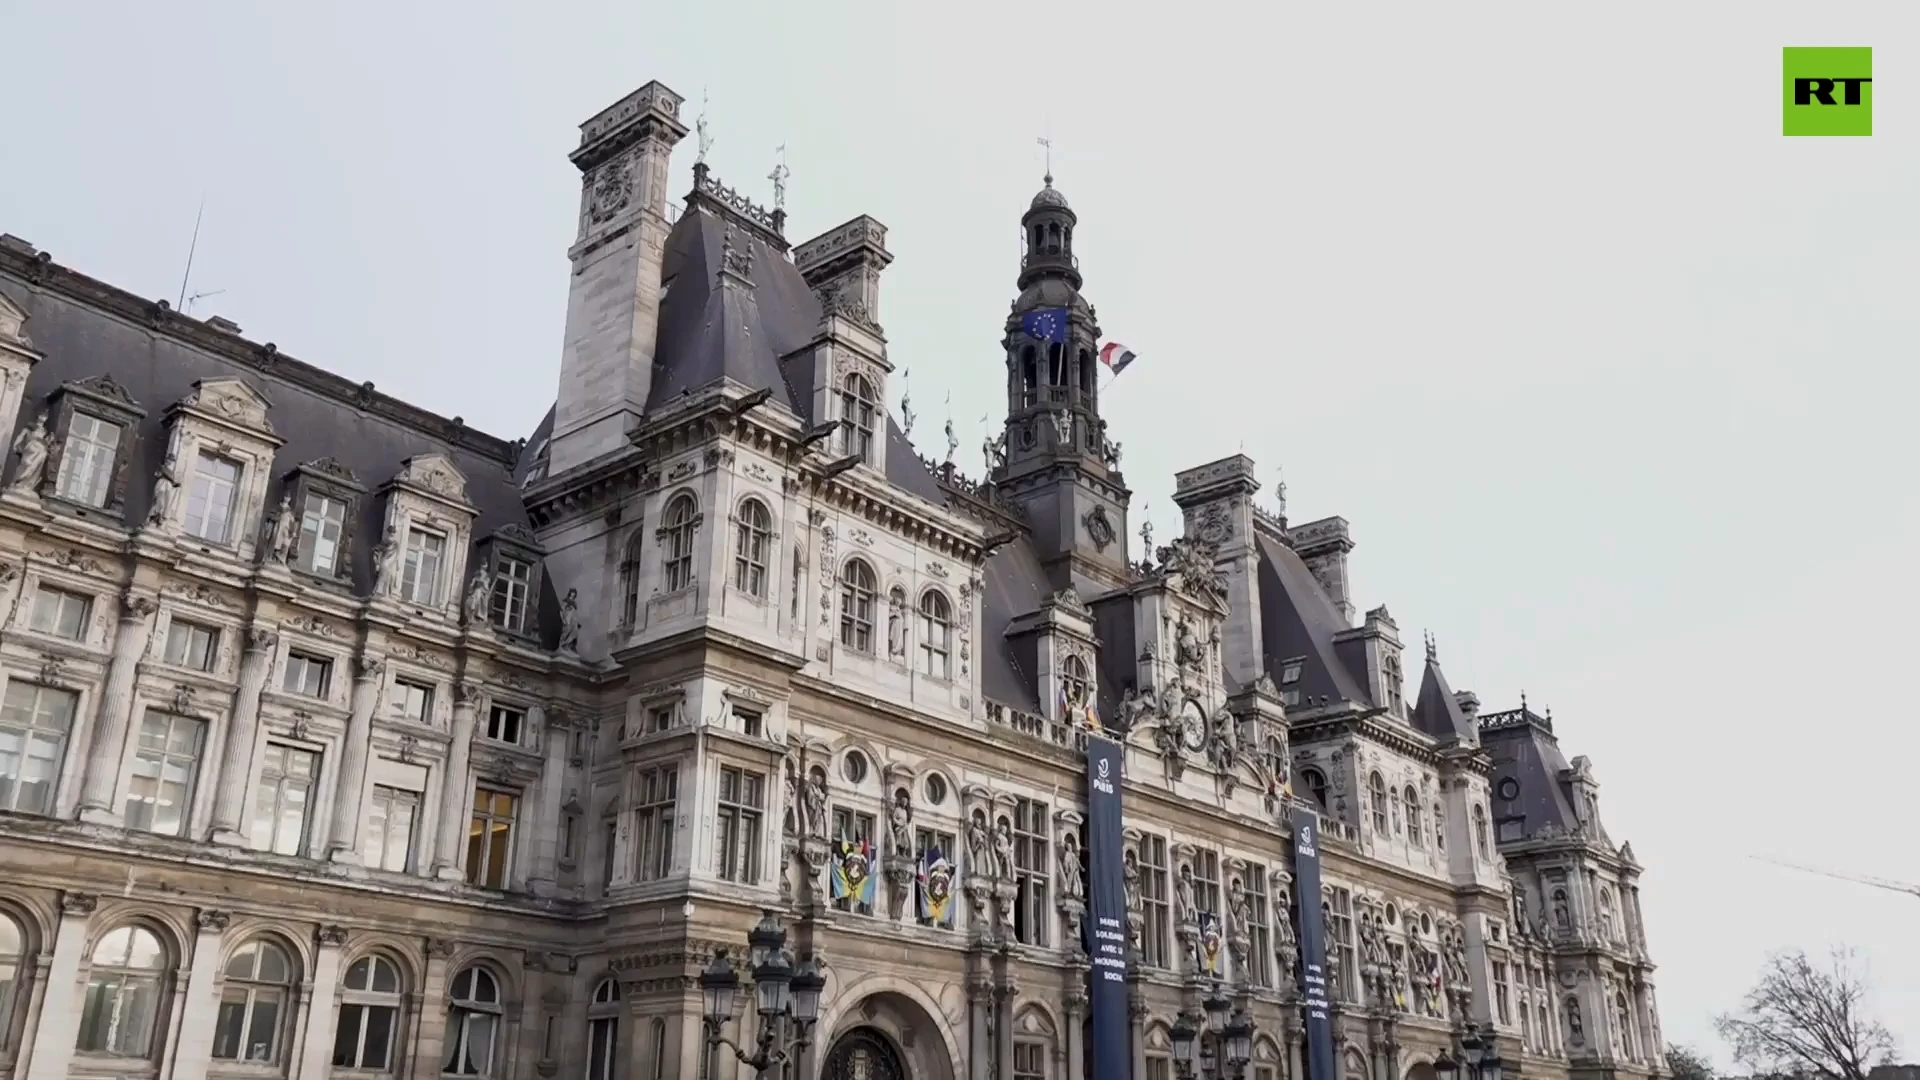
(1324,545)
(1216,505)
(844,263)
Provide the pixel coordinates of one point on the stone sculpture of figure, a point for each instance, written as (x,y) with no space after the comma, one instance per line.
(1561,918)
(1190,650)
(384,554)
(1130,879)
(1070,876)
(1457,977)
(1135,706)
(1328,934)
(1240,905)
(1062,426)
(165,486)
(979,848)
(33,446)
(1373,948)
(1576,1031)
(896,625)
(1003,851)
(995,450)
(479,598)
(901,819)
(285,531)
(570,622)
(1183,897)
(817,806)
(790,818)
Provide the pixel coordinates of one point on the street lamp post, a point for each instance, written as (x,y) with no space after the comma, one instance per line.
(1477,1059)
(1223,1037)
(787,1000)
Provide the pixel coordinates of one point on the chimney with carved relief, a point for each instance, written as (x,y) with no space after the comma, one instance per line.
(850,366)
(1324,546)
(1216,503)
(613,306)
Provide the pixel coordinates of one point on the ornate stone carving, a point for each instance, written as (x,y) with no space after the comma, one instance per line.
(212,919)
(612,189)
(34,446)
(134,606)
(1099,527)
(1192,561)
(78,903)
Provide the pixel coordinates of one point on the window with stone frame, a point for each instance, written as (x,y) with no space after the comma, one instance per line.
(411,701)
(678,527)
(854,827)
(191,645)
(1029,1060)
(1032,844)
(36,723)
(1156,944)
(283,799)
(256,998)
(1410,806)
(506,724)
(13,955)
(1260,960)
(1395,683)
(631,566)
(512,558)
(1480,847)
(1502,994)
(94,425)
(166,768)
(1337,905)
(1206,882)
(308,676)
(423,566)
(603,1031)
(392,812)
(60,612)
(126,991)
(474,1021)
(752,548)
(490,837)
(1075,683)
(858,588)
(926,842)
(1377,800)
(369,1016)
(859,409)
(739,813)
(213,486)
(936,635)
(328,497)
(656,793)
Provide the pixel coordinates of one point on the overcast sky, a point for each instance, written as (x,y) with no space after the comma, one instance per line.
(1614,383)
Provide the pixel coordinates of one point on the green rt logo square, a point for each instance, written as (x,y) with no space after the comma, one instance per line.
(1828,91)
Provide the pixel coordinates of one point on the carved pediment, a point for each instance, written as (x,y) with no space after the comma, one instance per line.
(106,390)
(515,533)
(434,473)
(328,468)
(232,400)
(13,320)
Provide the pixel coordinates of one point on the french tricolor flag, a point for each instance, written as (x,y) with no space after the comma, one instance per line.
(1116,356)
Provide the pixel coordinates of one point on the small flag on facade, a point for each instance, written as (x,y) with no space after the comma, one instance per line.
(1210,942)
(1116,356)
(853,871)
(936,888)
(1045,324)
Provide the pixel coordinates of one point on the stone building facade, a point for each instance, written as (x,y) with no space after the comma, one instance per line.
(341,739)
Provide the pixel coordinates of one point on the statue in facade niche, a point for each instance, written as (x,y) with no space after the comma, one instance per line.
(901,820)
(817,806)
(1240,905)
(1130,879)
(570,622)
(479,598)
(1456,961)
(896,624)
(165,486)
(285,531)
(1373,945)
(1183,904)
(384,555)
(1188,648)
(33,446)
(1003,851)
(1071,882)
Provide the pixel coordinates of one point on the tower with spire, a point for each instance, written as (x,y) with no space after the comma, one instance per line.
(1059,465)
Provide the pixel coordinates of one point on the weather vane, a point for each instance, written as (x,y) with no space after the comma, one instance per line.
(1047,143)
(705,137)
(779,177)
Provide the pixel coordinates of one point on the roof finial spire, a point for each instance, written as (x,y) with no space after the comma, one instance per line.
(1523,701)
(705,136)
(1046,141)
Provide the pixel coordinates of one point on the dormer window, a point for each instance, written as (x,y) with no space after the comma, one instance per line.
(211,498)
(1074,684)
(512,593)
(322,525)
(858,409)
(86,463)
(420,577)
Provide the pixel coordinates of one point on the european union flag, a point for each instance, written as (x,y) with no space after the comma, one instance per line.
(1046,324)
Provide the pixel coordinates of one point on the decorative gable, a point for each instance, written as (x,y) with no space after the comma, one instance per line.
(422,553)
(211,487)
(110,414)
(232,402)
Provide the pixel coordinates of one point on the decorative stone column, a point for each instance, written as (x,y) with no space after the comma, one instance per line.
(329,945)
(1004,995)
(236,763)
(1073,1039)
(456,787)
(979,1026)
(1136,1023)
(545,876)
(109,744)
(201,1008)
(343,840)
(431,1040)
(60,1005)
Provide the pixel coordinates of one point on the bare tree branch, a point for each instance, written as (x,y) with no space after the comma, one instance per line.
(1806,1020)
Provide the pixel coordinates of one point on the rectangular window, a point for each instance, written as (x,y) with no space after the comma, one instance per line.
(657,791)
(190,645)
(1155,945)
(609,851)
(1340,949)
(1031,832)
(283,799)
(512,587)
(308,676)
(736,855)
(748,721)
(210,500)
(1206,882)
(659,719)
(924,841)
(60,613)
(1502,1004)
(86,464)
(1029,1061)
(855,827)
(490,838)
(34,724)
(506,725)
(1290,672)
(1159,1068)
(1259,933)
(420,576)
(410,701)
(322,524)
(390,827)
(166,764)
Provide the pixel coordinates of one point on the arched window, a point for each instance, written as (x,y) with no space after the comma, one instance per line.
(13,950)
(1316,782)
(856,606)
(1056,364)
(1624,1018)
(603,1030)
(936,634)
(1075,684)
(1377,795)
(751,548)
(1546,1026)
(1606,915)
(1439,828)
(254,1003)
(369,1016)
(123,994)
(657,1038)
(1410,800)
(473,1023)
(630,579)
(1029,375)
(1480,831)
(858,409)
(1088,373)
(677,534)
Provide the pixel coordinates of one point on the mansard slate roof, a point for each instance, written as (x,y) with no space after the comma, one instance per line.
(1525,751)
(84,329)
(1436,711)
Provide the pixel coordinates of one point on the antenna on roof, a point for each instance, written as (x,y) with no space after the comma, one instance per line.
(192,246)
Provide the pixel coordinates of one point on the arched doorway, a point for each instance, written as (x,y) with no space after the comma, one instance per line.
(1422,1070)
(864,1054)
